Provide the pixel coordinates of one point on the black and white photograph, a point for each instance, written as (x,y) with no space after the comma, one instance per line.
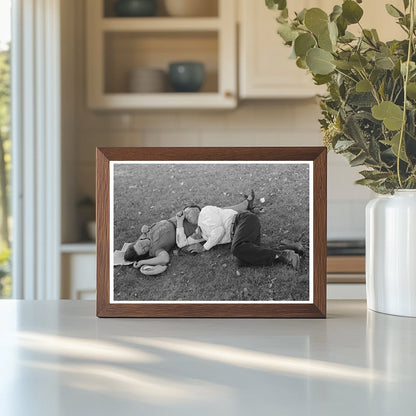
(211,232)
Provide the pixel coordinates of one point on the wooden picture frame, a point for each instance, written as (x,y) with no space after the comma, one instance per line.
(271,158)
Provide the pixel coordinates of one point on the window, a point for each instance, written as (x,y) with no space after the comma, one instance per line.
(5,147)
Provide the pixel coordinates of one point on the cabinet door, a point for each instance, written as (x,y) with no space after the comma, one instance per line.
(376,17)
(265,68)
(78,276)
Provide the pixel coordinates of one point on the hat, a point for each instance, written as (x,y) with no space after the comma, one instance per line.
(152,270)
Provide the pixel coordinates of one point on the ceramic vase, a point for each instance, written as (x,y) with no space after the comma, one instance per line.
(391,253)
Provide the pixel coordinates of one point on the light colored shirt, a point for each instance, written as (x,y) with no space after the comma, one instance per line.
(215,225)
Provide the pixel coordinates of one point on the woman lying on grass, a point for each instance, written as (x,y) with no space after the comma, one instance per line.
(153,246)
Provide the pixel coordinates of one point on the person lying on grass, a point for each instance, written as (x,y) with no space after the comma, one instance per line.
(241,229)
(153,246)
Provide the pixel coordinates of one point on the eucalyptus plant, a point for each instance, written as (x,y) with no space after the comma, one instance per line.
(369,111)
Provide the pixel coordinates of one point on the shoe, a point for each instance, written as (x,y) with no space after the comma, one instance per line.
(250,204)
(296,247)
(290,258)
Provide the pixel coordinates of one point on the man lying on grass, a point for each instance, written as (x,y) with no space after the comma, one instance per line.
(153,246)
(241,229)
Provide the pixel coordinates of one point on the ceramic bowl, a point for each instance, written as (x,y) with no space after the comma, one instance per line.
(135,8)
(186,76)
(147,80)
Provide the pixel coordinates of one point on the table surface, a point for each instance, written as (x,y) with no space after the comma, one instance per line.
(57,358)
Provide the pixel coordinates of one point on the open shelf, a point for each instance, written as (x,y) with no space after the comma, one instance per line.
(167,100)
(126,51)
(116,46)
(85,247)
(160,24)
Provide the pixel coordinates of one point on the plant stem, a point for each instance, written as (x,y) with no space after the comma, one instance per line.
(346,75)
(406,79)
(373,88)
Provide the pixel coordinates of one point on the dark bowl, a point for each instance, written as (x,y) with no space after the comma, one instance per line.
(186,76)
(135,8)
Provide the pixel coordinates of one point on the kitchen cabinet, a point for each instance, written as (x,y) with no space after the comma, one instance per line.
(78,263)
(118,45)
(265,70)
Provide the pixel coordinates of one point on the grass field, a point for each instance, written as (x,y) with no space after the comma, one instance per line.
(146,193)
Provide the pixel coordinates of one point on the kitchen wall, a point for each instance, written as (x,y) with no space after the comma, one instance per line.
(253,123)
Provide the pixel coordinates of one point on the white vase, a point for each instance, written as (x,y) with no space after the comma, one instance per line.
(391,253)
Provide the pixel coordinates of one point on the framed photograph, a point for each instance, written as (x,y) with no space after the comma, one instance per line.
(211,232)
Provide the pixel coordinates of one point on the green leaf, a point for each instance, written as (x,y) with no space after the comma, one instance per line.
(394,143)
(375,35)
(396,70)
(411,90)
(358,160)
(374,150)
(325,42)
(363,86)
(282,20)
(388,112)
(342,25)
(412,67)
(382,89)
(316,20)
(345,65)
(333,32)
(303,43)
(353,131)
(368,36)
(347,37)
(374,174)
(358,61)
(336,12)
(365,182)
(301,63)
(384,62)
(287,33)
(319,61)
(393,11)
(343,145)
(362,99)
(301,15)
(276,4)
(321,79)
(351,11)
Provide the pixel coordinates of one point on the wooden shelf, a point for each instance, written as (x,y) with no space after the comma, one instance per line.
(197,100)
(160,24)
(81,247)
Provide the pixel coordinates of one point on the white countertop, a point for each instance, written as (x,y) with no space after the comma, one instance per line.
(57,358)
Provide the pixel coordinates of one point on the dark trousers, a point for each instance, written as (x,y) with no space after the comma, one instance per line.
(245,244)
